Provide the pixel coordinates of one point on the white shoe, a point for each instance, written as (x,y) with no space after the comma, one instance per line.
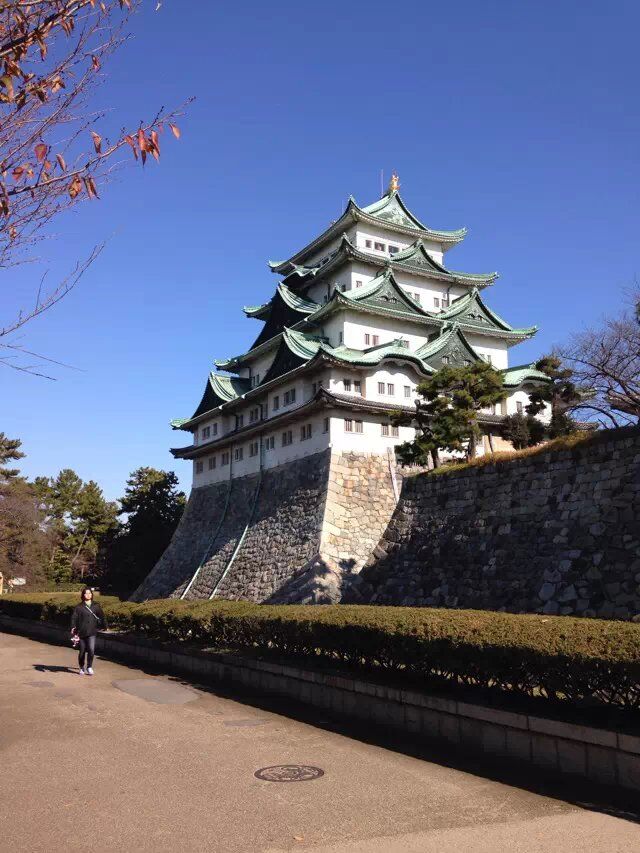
(89,671)
(81,672)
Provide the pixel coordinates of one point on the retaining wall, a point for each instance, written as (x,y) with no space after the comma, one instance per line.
(557,532)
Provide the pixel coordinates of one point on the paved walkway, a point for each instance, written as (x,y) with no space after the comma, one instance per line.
(128,761)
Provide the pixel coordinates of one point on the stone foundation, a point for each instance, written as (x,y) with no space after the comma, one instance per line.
(557,533)
(296,533)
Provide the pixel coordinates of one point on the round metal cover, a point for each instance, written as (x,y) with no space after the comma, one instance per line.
(289,773)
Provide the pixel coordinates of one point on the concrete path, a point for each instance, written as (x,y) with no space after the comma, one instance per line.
(128,761)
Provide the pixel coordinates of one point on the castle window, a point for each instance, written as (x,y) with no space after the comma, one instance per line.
(436,302)
(206,432)
(367,244)
(407,391)
(391,389)
(346,384)
(239,453)
(276,403)
(384,429)
(416,296)
(375,340)
(348,425)
(358,283)
(253,448)
(445,359)
(519,407)
(287,438)
(445,301)
(367,339)
(393,250)
(340,337)
(212,463)
(357,386)
(270,442)
(199,467)
(225,458)
(379,247)
(394,431)
(326,425)
(305,432)
(358,426)
(289,397)
(380,387)
(240,422)
(215,429)
(254,414)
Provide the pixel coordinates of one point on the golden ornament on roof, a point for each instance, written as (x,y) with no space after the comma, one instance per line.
(394,183)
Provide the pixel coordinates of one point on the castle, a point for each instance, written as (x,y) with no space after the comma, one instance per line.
(294,472)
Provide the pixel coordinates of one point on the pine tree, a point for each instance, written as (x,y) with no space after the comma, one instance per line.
(154,506)
(9,451)
(561,393)
(446,417)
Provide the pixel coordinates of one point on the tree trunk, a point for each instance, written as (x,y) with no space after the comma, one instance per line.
(471,449)
(436,458)
(491,443)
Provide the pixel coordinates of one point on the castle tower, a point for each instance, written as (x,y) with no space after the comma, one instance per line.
(294,475)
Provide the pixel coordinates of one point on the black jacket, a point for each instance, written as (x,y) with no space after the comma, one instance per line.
(88,622)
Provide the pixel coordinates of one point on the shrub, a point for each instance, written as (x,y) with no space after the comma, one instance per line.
(560,658)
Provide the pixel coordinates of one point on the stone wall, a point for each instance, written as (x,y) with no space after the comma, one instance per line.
(555,532)
(293,533)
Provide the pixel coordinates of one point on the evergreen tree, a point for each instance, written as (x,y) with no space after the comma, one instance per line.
(24,539)
(154,506)
(561,393)
(9,452)
(523,431)
(447,415)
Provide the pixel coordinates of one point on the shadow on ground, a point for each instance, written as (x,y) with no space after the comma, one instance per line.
(573,790)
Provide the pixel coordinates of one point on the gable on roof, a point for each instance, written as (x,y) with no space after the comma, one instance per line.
(391,208)
(294,350)
(472,311)
(450,347)
(219,390)
(286,309)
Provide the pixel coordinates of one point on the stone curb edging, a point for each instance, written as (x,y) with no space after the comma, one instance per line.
(601,756)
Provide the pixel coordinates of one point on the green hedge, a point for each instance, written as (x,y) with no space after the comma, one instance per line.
(579,660)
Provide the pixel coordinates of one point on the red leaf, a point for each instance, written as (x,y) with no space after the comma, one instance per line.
(175,130)
(97,141)
(130,141)
(96,63)
(41,151)
(61,162)
(75,187)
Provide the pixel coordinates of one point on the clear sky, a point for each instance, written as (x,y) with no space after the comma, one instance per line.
(518,120)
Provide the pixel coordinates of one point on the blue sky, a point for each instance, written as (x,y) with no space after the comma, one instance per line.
(517,120)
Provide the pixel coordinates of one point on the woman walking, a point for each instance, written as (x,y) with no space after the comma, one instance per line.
(86,620)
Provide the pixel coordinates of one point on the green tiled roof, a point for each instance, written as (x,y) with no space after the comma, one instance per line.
(514,376)
(416,255)
(304,306)
(471,310)
(451,342)
(391,209)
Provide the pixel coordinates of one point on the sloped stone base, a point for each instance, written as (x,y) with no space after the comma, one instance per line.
(297,533)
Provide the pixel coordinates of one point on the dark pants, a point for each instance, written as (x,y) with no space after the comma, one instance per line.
(88,646)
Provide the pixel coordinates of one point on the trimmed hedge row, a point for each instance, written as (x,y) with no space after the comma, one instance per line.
(577,660)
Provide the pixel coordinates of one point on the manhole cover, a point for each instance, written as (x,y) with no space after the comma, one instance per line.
(289,773)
